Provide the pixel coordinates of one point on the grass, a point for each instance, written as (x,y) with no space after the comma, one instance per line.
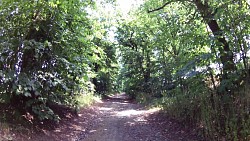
(86,100)
(149,101)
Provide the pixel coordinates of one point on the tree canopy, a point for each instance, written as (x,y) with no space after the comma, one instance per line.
(189,56)
(193,57)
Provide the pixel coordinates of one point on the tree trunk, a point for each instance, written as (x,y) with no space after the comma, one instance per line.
(226,55)
(94,80)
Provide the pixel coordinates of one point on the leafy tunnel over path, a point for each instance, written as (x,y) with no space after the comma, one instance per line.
(190,57)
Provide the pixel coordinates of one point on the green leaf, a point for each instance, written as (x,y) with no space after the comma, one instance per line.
(37,93)
(27,94)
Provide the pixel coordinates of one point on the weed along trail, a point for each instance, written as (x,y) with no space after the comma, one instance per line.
(120,119)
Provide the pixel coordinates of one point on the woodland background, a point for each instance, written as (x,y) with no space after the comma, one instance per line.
(190,57)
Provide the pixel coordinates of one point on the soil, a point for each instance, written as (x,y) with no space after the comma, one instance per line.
(116,118)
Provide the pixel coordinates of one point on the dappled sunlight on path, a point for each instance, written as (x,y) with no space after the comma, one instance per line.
(122,120)
(132,112)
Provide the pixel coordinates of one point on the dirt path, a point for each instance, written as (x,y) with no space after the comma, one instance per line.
(121,120)
(113,119)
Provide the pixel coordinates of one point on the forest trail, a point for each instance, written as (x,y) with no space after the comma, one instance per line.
(119,119)
(114,119)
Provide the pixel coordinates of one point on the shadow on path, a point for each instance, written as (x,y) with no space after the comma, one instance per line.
(121,119)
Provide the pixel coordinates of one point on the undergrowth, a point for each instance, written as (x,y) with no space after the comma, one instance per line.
(218,117)
(86,100)
(12,121)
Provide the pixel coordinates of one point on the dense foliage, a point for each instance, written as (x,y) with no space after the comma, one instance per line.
(193,55)
(47,54)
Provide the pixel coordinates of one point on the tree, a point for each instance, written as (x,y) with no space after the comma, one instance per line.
(198,61)
(226,55)
(44,54)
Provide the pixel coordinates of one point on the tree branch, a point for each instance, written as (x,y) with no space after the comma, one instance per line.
(159,8)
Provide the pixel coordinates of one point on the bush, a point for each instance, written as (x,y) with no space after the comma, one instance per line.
(43,60)
(217,117)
